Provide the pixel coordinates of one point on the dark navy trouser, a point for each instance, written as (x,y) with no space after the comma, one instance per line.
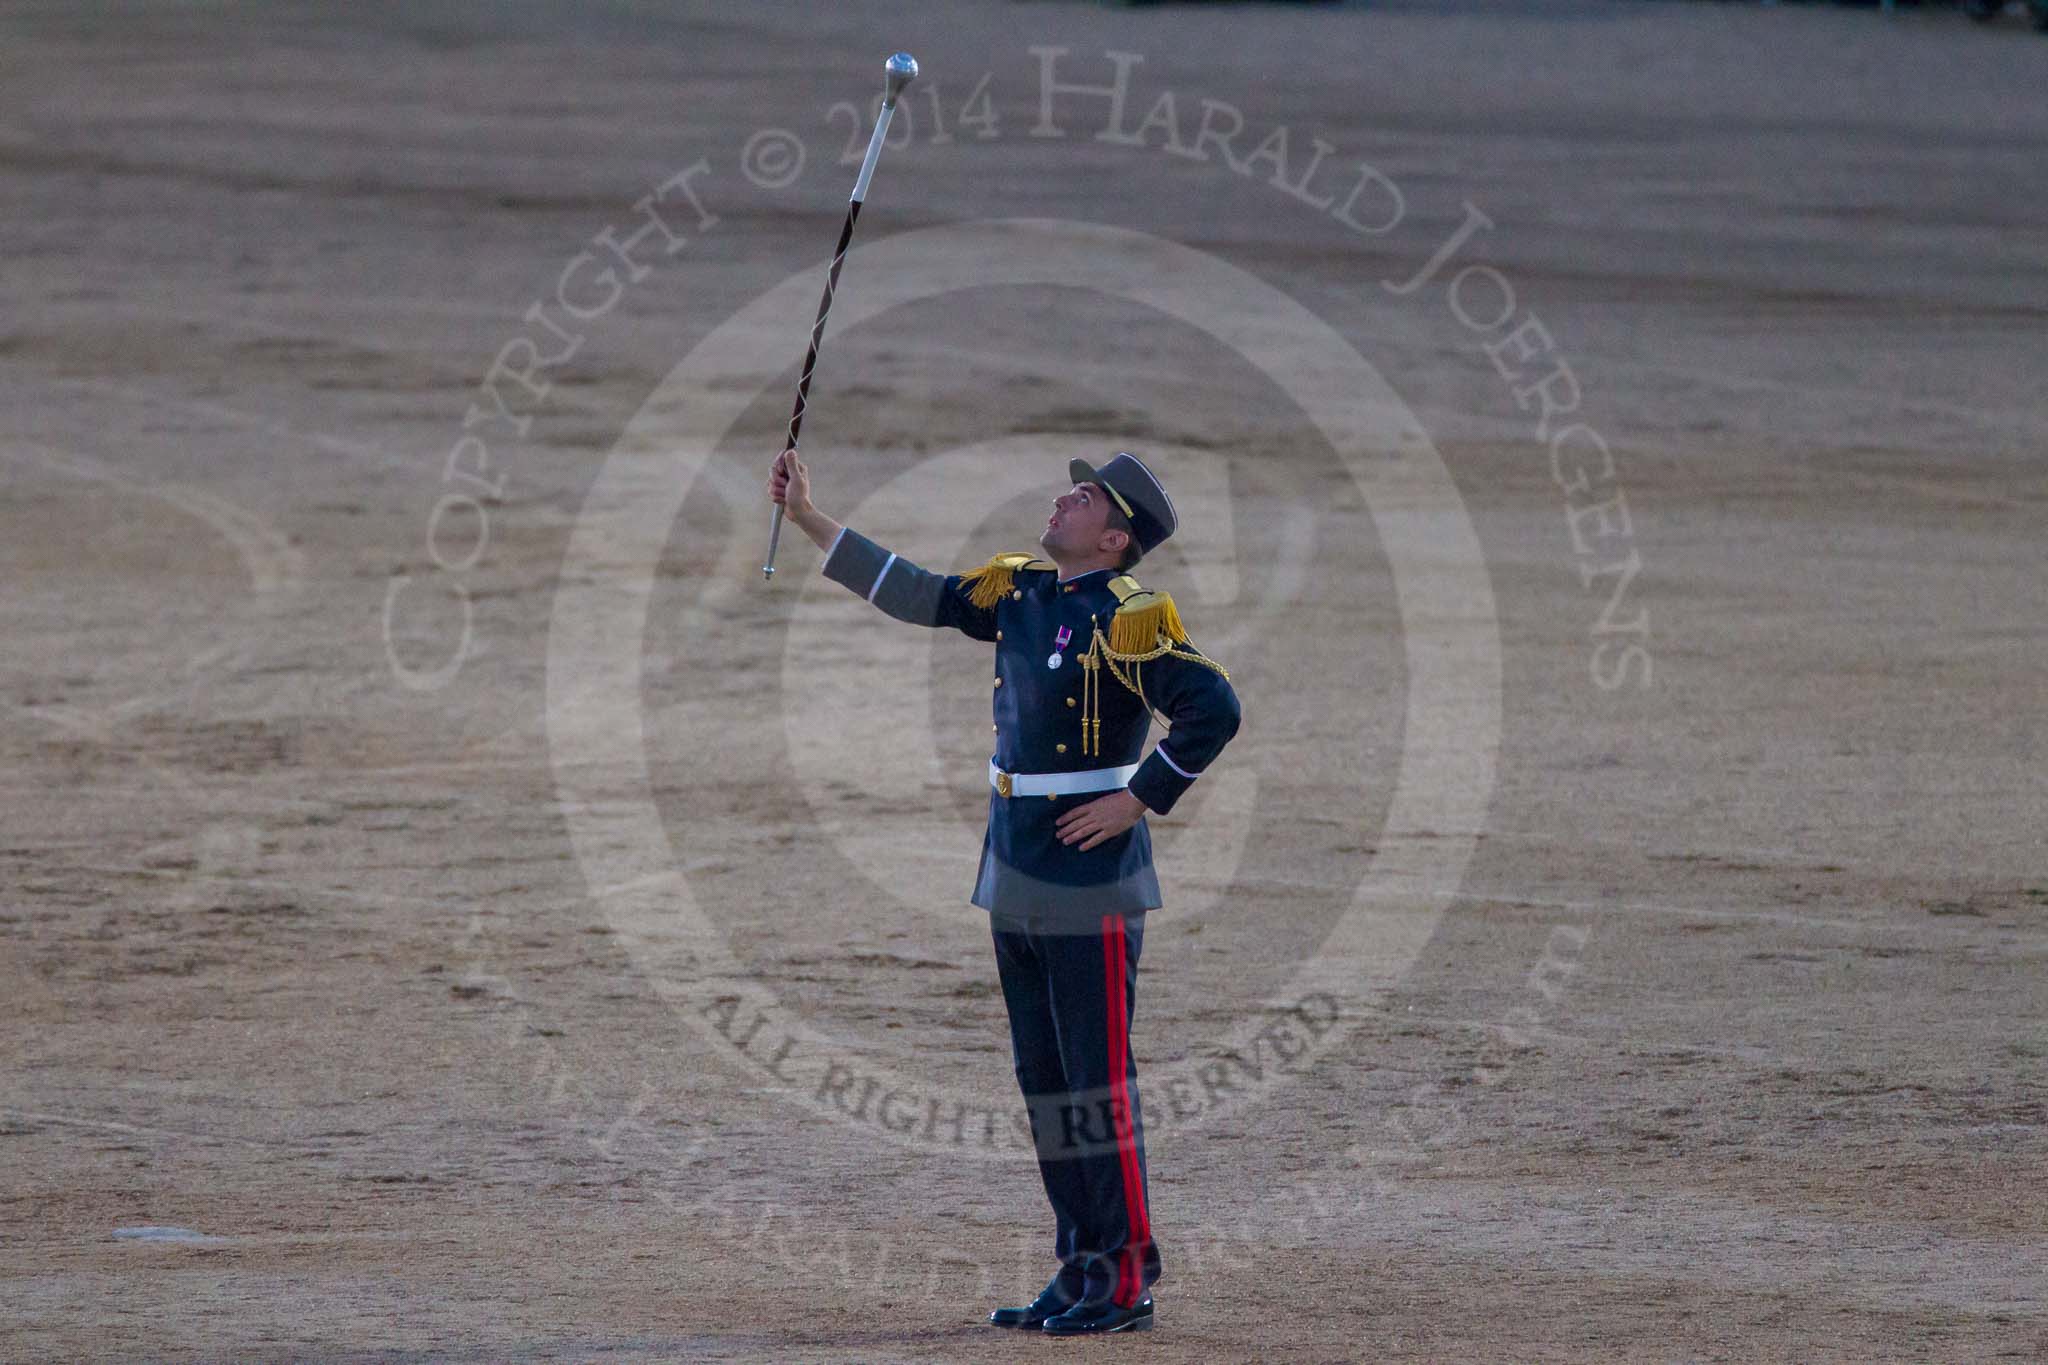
(1070,991)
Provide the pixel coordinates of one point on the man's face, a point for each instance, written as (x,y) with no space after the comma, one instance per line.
(1079,519)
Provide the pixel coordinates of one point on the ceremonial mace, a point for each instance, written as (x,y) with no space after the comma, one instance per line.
(902,70)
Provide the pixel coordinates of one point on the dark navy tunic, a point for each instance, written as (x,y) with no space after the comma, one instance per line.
(1027,874)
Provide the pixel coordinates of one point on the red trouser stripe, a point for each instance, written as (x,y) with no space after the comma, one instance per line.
(1130,1280)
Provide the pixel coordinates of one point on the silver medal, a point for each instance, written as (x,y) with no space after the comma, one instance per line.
(1059,646)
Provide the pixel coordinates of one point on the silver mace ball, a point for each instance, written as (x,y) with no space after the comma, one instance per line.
(902,69)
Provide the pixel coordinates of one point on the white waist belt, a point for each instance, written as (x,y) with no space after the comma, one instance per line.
(1059,784)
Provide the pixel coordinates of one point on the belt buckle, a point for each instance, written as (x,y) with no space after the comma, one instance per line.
(1002,783)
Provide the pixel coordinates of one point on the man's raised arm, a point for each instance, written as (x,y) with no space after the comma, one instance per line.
(895,585)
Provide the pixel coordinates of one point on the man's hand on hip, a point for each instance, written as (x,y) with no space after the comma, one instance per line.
(1103,818)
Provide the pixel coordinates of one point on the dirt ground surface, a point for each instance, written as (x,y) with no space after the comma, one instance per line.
(453,909)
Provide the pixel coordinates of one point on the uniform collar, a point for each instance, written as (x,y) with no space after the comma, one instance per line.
(1080,578)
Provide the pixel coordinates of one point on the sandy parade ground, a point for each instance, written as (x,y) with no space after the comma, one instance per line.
(454,909)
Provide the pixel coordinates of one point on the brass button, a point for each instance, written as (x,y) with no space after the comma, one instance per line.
(997,728)
(1070,701)
(1051,797)
(999,635)
(1016,594)
(1059,748)
(999,682)
(1070,587)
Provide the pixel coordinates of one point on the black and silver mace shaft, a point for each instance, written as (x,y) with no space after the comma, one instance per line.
(901,69)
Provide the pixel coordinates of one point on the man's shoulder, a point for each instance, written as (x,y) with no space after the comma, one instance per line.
(1017,561)
(997,579)
(1146,625)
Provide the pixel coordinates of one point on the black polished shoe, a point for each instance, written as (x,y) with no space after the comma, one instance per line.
(1050,1304)
(1085,1319)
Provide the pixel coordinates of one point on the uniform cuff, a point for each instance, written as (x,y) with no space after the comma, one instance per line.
(1158,783)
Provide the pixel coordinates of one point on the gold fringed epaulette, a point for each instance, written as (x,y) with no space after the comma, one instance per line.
(1145,623)
(1146,626)
(992,580)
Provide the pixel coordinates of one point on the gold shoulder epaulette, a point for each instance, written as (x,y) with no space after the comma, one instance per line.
(1145,626)
(1146,623)
(992,580)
